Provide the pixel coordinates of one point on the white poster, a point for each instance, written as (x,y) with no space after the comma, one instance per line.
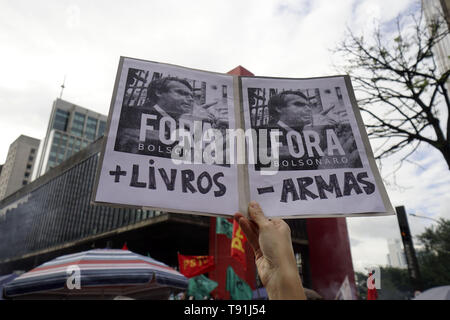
(151,104)
(319,166)
(192,141)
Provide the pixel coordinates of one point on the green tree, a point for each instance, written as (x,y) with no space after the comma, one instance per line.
(399,87)
(434,259)
(396,284)
(361,285)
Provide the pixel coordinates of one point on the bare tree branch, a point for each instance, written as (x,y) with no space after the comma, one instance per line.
(399,85)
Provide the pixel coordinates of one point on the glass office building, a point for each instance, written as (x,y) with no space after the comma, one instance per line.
(71,128)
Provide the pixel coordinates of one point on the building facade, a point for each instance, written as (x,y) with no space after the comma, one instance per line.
(70,129)
(18,168)
(396,257)
(433,9)
(53,215)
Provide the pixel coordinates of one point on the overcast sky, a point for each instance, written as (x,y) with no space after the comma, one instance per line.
(44,41)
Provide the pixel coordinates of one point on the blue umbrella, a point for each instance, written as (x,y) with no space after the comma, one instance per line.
(98,273)
(4,280)
(260,294)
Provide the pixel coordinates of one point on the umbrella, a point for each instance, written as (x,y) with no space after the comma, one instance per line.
(260,294)
(97,274)
(6,279)
(437,293)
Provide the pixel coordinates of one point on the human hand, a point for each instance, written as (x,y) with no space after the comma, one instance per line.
(325,120)
(212,112)
(274,255)
(219,115)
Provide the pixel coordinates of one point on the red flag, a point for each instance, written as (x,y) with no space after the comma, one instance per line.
(125,246)
(372,293)
(192,266)
(237,244)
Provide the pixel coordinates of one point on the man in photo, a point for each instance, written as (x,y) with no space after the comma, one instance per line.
(290,111)
(169,105)
(169,96)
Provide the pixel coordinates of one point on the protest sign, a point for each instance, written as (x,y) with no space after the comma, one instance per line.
(185,140)
(324,164)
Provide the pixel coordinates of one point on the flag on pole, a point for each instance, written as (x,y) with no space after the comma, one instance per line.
(237,244)
(200,287)
(238,288)
(372,293)
(192,266)
(223,226)
(345,291)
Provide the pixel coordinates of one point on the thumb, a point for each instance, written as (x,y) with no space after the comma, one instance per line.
(256,214)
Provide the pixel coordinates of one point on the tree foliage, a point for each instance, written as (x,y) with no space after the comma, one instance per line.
(399,86)
(434,265)
(434,259)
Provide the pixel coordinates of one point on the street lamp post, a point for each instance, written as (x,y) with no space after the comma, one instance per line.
(418,216)
(410,253)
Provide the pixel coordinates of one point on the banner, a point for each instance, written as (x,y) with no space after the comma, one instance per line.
(191,266)
(372,293)
(238,245)
(345,291)
(198,142)
(238,288)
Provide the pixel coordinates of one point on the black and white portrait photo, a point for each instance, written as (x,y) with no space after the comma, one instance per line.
(156,105)
(312,134)
(297,146)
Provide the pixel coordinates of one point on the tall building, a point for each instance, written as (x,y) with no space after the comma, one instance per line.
(396,256)
(436,8)
(17,170)
(70,129)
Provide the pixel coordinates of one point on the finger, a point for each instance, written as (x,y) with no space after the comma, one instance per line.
(207,105)
(249,230)
(256,214)
(248,227)
(327,110)
(253,227)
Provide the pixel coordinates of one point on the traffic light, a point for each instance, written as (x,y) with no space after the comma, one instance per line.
(411,259)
